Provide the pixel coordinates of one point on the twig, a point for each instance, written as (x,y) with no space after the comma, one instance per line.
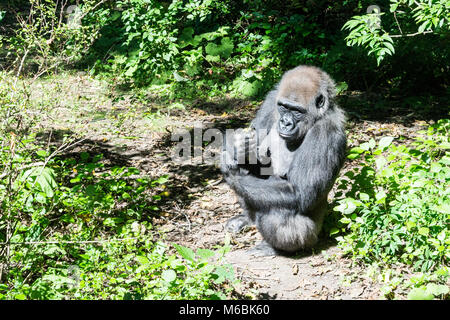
(20,67)
(185,215)
(398,24)
(410,34)
(214,183)
(258,278)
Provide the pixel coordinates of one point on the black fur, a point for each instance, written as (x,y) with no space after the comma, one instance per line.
(288,206)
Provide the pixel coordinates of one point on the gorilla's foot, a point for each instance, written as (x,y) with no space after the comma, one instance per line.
(238,223)
(263,249)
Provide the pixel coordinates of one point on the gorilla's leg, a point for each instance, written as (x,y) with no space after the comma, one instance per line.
(239,222)
(263,249)
(287,231)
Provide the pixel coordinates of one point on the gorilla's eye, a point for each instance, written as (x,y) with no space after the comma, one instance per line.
(297,114)
(320,101)
(282,109)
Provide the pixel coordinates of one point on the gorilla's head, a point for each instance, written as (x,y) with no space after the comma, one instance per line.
(304,95)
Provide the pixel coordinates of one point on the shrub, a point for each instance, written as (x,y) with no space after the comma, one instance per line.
(73,228)
(396,209)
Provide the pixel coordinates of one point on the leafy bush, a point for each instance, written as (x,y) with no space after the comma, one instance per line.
(204,44)
(427,287)
(394,208)
(73,228)
(418,17)
(92,240)
(397,209)
(135,268)
(48,34)
(208,48)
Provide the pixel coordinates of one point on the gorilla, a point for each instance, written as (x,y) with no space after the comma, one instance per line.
(283,167)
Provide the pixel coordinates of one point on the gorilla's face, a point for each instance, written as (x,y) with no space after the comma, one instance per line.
(302,100)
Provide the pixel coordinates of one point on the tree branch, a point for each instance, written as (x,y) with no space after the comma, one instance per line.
(410,34)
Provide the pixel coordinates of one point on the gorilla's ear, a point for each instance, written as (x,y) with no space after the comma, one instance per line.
(330,86)
(320,101)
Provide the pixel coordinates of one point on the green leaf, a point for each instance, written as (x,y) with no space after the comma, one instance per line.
(443,208)
(390,47)
(437,289)
(205,253)
(334,231)
(53,250)
(186,37)
(163,179)
(393,7)
(353,156)
(143,260)
(20,296)
(130,71)
(45,178)
(420,294)
(223,273)
(380,162)
(211,58)
(385,142)
(347,206)
(357,150)
(379,59)
(364,196)
(224,49)
(41,153)
(380,196)
(169,275)
(366,146)
(424,231)
(422,27)
(126,195)
(185,252)
(341,87)
(179,78)
(435,167)
(91,190)
(410,224)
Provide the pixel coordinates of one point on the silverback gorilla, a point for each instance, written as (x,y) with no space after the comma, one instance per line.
(284,166)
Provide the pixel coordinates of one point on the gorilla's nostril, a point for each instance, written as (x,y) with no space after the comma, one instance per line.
(286,121)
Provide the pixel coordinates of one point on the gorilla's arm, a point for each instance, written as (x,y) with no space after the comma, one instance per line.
(317,162)
(264,193)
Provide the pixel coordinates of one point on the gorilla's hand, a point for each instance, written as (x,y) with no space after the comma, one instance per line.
(240,149)
(228,163)
(245,145)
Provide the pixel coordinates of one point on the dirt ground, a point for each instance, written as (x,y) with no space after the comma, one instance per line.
(136,134)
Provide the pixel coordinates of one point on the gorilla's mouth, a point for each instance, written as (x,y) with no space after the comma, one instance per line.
(288,135)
